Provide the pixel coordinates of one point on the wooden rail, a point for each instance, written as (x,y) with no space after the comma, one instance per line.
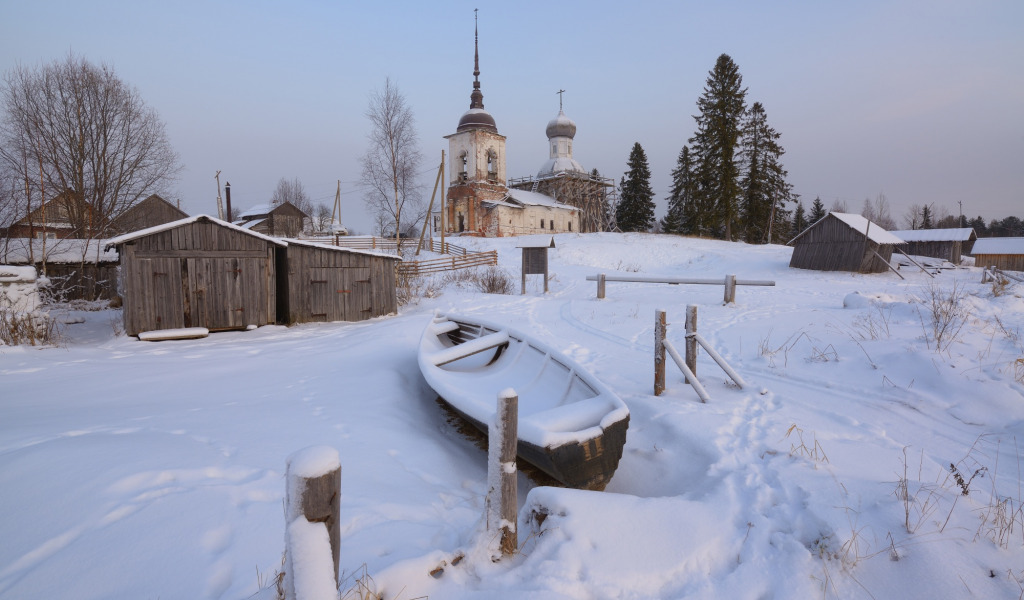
(730,282)
(437,265)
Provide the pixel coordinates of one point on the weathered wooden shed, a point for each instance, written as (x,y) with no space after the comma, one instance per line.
(317,282)
(843,242)
(197,272)
(77,269)
(947,244)
(1003,253)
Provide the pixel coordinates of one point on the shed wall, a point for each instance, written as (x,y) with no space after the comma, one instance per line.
(1007,262)
(832,246)
(329,285)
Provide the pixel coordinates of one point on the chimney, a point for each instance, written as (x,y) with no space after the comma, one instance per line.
(227,196)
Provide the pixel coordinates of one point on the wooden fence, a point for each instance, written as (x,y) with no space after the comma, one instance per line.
(730,282)
(389,245)
(413,268)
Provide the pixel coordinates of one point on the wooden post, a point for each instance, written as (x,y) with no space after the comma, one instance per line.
(313,479)
(730,289)
(523,269)
(501,472)
(600,286)
(659,352)
(691,339)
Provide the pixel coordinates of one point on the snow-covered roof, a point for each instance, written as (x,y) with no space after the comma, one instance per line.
(535,241)
(536,199)
(956,234)
(859,224)
(249,224)
(1002,245)
(12,274)
(562,164)
(59,251)
(174,224)
(255,211)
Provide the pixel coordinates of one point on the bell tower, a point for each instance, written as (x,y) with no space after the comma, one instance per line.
(476,160)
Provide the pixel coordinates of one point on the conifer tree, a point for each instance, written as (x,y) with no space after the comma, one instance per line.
(764,187)
(635,211)
(681,196)
(799,220)
(817,211)
(926,217)
(721,108)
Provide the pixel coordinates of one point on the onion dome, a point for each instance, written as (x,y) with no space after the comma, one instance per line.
(476,117)
(561,126)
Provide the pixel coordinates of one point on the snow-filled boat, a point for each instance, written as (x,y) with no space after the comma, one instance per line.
(571,426)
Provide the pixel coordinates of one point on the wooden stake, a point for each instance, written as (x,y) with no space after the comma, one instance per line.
(659,352)
(691,341)
(730,289)
(320,502)
(502,439)
(600,286)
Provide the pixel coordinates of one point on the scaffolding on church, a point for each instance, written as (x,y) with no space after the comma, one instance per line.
(593,195)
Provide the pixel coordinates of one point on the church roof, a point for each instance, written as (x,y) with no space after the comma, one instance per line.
(561,126)
(476,117)
(562,164)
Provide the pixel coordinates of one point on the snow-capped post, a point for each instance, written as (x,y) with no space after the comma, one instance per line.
(312,496)
(691,338)
(600,286)
(501,472)
(730,289)
(659,352)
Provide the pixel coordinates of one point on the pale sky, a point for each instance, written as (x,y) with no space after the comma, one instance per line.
(922,101)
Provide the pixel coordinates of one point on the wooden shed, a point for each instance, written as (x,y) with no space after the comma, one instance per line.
(844,242)
(197,272)
(317,282)
(947,244)
(1003,253)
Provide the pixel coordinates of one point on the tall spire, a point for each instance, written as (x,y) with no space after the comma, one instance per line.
(477,97)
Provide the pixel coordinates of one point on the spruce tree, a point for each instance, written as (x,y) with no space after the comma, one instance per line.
(764,187)
(681,195)
(721,109)
(926,217)
(636,207)
(799,220)
(818,211)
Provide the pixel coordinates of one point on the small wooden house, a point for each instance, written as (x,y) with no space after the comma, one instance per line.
(947,244)
(844,242)
(1003,253)
(282,220)
(150,212)
(197,272)
(317,282)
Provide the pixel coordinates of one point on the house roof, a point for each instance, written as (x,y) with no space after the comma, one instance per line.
(874,231)
(520,198)
(956,234)
(59,251)
(174,224)
(1001,245)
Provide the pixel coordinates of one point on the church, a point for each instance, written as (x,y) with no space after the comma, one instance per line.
(479,202)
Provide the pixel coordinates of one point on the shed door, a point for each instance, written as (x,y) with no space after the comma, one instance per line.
(160,297)
(227,292)
(339,293)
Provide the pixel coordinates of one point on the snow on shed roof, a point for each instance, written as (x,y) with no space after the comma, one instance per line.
(255,211)
(1002,245)
(173,224)
(955,234)
(859,224)
(536,199)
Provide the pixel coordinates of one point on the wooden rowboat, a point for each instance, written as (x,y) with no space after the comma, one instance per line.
(571,426)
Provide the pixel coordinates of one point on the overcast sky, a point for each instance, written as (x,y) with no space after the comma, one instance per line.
(922,101)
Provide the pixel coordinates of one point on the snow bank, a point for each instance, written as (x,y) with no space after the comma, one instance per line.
(310,568)
(18,289)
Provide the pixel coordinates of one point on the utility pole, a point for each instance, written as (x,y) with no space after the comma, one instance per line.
(336,212)
(220,205)
(961,203)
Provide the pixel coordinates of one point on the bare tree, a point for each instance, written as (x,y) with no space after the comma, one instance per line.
(912,218)
(322,217)
(839,206)
(75,130)
(392,160)
(294,193)
(877,211)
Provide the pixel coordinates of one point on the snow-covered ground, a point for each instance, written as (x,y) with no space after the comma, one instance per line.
(136,469)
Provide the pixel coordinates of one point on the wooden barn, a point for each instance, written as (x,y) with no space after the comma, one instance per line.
(317,282)
(77,269)
(844,242)
(197,272)
(1003,253)
(947,244)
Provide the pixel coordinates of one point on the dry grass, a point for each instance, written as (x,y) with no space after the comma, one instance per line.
(28,328)
(943,315)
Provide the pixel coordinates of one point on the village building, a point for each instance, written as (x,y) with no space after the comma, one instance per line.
(947,244)
(281,220)
(66,216)
(565,180)
(1005,253)
(844,242)
(478,201)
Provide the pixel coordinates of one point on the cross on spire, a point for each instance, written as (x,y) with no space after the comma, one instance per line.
(477,97)
(560,92)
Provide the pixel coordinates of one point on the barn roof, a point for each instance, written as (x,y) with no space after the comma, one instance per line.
(1001,245)
(859,224)
(175,224)
(956,234)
